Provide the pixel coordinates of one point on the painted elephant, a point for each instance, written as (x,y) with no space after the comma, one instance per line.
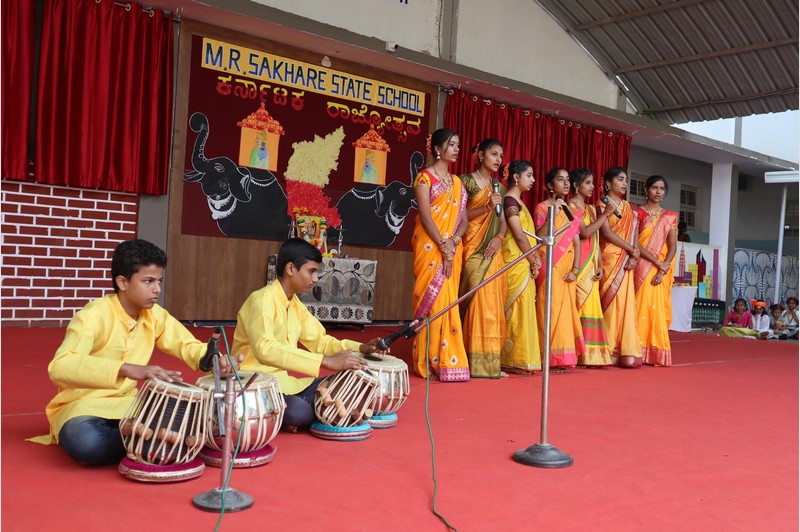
(245,202)
(373,215)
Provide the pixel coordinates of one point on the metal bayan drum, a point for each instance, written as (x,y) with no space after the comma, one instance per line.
(261,422)
(393,389)
(163,431)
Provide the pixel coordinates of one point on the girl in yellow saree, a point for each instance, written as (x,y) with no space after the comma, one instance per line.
(620,252)
(566,336)
(439,226)
(652,278)
(520,352)
(587,291)
(482,319)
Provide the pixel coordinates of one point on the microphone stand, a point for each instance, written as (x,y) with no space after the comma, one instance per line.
(412,328)
(543,454)
(222,498)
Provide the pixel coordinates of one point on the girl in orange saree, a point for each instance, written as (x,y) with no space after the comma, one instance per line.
(520,352)
(439,226)
(482,319)
(620,252)
(652,278)
(587,291)
(566,336)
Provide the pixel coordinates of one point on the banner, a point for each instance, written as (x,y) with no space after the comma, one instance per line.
(270,139)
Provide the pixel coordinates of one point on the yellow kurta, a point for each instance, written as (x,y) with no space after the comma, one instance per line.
(433,291)
(268,328)
(617,293)
(483,323)
(100,338)
(654,303)
(521,350)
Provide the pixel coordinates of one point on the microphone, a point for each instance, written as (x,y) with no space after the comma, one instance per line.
(496,190)
(406,331)
(212,350)
(607,201)
(566,209)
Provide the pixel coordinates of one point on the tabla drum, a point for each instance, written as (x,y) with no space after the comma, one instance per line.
(262,420)
(343,405)
(163,431)
(393,389)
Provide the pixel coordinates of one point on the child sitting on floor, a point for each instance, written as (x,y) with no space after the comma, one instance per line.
(789,317)
(775,322)
(761,320)
(738,323)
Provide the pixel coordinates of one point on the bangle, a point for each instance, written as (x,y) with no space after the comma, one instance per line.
(575,271)
(499,237)
(456,239)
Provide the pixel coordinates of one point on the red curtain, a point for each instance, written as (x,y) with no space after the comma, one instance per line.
(19,19)
(105,97)
(545,141)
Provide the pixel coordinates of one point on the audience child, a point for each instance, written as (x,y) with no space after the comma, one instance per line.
(738,322)
(789,317)
(760,319)
(775,323)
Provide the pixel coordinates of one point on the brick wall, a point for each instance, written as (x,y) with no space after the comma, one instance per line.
(57,244)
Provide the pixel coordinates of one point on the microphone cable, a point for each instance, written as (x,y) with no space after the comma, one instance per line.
(442,518)
(241,430)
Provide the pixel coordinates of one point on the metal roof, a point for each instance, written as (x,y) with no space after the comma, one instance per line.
(691,60)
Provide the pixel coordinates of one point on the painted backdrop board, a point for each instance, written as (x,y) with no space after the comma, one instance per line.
(269,137)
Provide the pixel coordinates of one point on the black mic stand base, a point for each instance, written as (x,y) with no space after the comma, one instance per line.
(211,501)
(543,455)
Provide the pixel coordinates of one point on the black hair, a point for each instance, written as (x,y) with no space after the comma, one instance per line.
(743,300)
(484,145)
(790,298)
(551,174)
(653,179)
(578,176)
(514,167)
(773,307)
(611,173)
(440,137)
(682,227)
(132,255)
(298,252)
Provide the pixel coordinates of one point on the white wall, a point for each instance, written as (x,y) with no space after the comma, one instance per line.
(678,171)
(515,39)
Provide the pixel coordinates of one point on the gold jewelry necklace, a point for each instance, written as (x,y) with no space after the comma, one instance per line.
(484,181)
(448,184)
(652,212)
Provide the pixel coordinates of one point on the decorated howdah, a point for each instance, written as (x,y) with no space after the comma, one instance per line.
(277,145)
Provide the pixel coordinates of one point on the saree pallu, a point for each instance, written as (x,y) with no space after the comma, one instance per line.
(482,315)
(433,291)
(587,298)
(566,336)
(521,348)
(654,303)
(617,293)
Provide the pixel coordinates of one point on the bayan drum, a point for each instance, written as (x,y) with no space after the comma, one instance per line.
(261,421)
(343,405)
(163,431)
(393,389)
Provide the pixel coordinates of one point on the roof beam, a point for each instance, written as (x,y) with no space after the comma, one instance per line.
(707,55)
(636,14)
(744,97)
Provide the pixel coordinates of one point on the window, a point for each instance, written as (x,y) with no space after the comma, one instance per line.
(689,203)
(636,193)
(790,222)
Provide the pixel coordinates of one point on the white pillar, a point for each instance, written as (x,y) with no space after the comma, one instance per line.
(724,200)
(779,259)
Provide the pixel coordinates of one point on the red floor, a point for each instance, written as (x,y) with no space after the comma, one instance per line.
(709,444)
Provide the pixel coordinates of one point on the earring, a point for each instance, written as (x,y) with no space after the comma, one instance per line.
(437,155)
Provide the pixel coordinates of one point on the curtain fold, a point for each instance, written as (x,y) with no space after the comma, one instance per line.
(19,32)
(545,141)
(104,97)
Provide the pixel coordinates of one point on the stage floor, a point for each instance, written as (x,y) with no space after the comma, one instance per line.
(708,444)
